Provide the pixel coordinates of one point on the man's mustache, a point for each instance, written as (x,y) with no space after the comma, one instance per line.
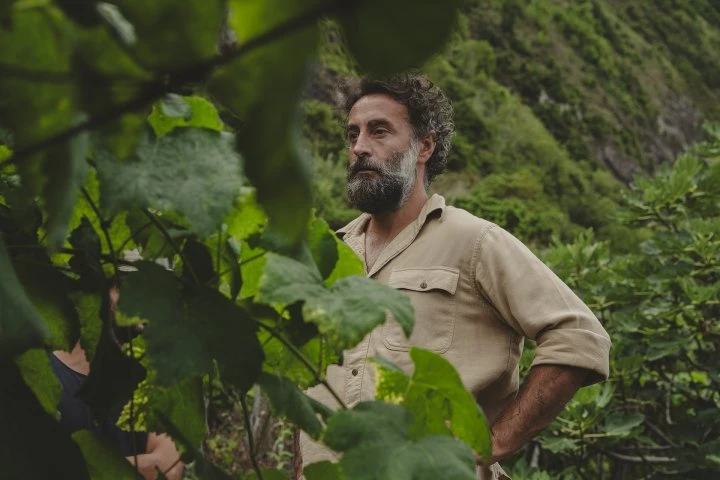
(364,163)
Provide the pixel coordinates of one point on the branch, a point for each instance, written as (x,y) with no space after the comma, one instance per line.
(251,442)
(299,355)
(154,90)
(106,232)
(640,458)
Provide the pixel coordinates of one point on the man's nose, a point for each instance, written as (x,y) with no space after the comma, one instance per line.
(361,147)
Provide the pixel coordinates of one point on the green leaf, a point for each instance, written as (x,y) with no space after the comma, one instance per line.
(247,218)
(262,88)
(172,173)
(183,404)
(375,441)
(342,312)
(120,26)
(559,444)
(28,429)
(323,246)
(38,374)
(269,474)
(204,469)
(175,111)
(86,263)
(622,424)
(103,460)
(404,33)
(200,269)
(21,327)
(66,174)
(287,400)
(348,263)
(87,307)
(184,334)
(323,471)
(189,34)
(48,289)
(281,361)
(437,399)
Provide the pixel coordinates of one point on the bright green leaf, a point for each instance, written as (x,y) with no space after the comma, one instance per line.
(323,471)
(287,400)
(38,374)
(176,111)
(20,325)
(374,438)
(192,171)
(87,307)
(103,460)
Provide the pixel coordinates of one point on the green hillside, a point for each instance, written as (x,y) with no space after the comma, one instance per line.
(558,105)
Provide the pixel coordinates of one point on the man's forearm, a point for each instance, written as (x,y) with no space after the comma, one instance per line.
(544,394)
(150,463)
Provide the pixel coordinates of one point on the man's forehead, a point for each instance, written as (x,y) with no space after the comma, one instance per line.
(374,107)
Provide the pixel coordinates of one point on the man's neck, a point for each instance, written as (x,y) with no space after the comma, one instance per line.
(385,226)
(74,359)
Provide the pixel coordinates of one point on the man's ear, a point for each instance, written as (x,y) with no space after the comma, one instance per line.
(426,146)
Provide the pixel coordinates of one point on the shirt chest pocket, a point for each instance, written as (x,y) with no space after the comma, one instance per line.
(432,293)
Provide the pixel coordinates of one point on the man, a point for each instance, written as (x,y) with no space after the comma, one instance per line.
(476,290)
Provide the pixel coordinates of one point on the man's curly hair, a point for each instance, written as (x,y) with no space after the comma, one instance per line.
(428,108)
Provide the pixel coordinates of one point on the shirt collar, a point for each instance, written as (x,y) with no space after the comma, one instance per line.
(435,203)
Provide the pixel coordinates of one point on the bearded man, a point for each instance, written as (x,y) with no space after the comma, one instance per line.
(477,291)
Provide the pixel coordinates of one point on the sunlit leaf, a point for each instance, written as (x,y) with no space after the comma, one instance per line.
(175,111)
(103,460)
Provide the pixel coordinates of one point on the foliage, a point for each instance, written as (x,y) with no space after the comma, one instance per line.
(119,174)
(657,416)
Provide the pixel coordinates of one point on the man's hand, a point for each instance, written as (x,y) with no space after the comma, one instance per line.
(161,455)
(544,394)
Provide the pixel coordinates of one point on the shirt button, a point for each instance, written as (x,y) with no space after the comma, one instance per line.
(354,372)
(423,284)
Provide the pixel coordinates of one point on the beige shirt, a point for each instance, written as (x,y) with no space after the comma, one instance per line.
(476,291)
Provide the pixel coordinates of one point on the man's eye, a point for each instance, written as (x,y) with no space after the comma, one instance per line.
(352,137)
(380,132)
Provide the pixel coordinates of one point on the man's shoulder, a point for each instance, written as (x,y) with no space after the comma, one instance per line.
(457,221)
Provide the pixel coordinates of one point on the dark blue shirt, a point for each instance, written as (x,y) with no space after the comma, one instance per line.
(76,415)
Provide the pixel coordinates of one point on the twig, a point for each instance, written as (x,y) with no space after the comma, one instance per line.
(640,458)
(251,442)
(132,236)
(299,355)
(174,245)
(106,232)
(174,464)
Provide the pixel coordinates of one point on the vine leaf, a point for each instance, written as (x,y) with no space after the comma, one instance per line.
(405,33)
(172,173)
(28,429)
(20,325)
(184,334)
(87,306)
(323,471)
(381,432)
(103,460)
(262,90)
(287,400)
(323,246)
(437,399)
(341,312)
(66,173)
(176,111)
(38,374)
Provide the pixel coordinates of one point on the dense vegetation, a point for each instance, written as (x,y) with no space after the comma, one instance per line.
(122,127)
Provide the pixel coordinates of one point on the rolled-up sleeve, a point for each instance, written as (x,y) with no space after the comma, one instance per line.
(533,301)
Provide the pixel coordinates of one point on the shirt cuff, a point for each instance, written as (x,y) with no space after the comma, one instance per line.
(575,348)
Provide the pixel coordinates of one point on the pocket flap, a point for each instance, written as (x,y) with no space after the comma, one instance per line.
(425,279)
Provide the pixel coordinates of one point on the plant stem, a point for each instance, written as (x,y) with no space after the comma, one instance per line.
(299,355)
(106,232)
(251,442)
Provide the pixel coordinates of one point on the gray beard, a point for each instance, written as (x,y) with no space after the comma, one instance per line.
(389,189)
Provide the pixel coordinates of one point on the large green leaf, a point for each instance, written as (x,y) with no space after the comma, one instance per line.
(184,334)
(323,246)
(261,89)
(376,444)
(48,289)
(388,37)
(437,399)
(38,374)
(287,400)
(87,306)
(183,404)
(32,443)
(103,460)
(173,173)
(173,34)
(176,111)
(341,312)
(20,325)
